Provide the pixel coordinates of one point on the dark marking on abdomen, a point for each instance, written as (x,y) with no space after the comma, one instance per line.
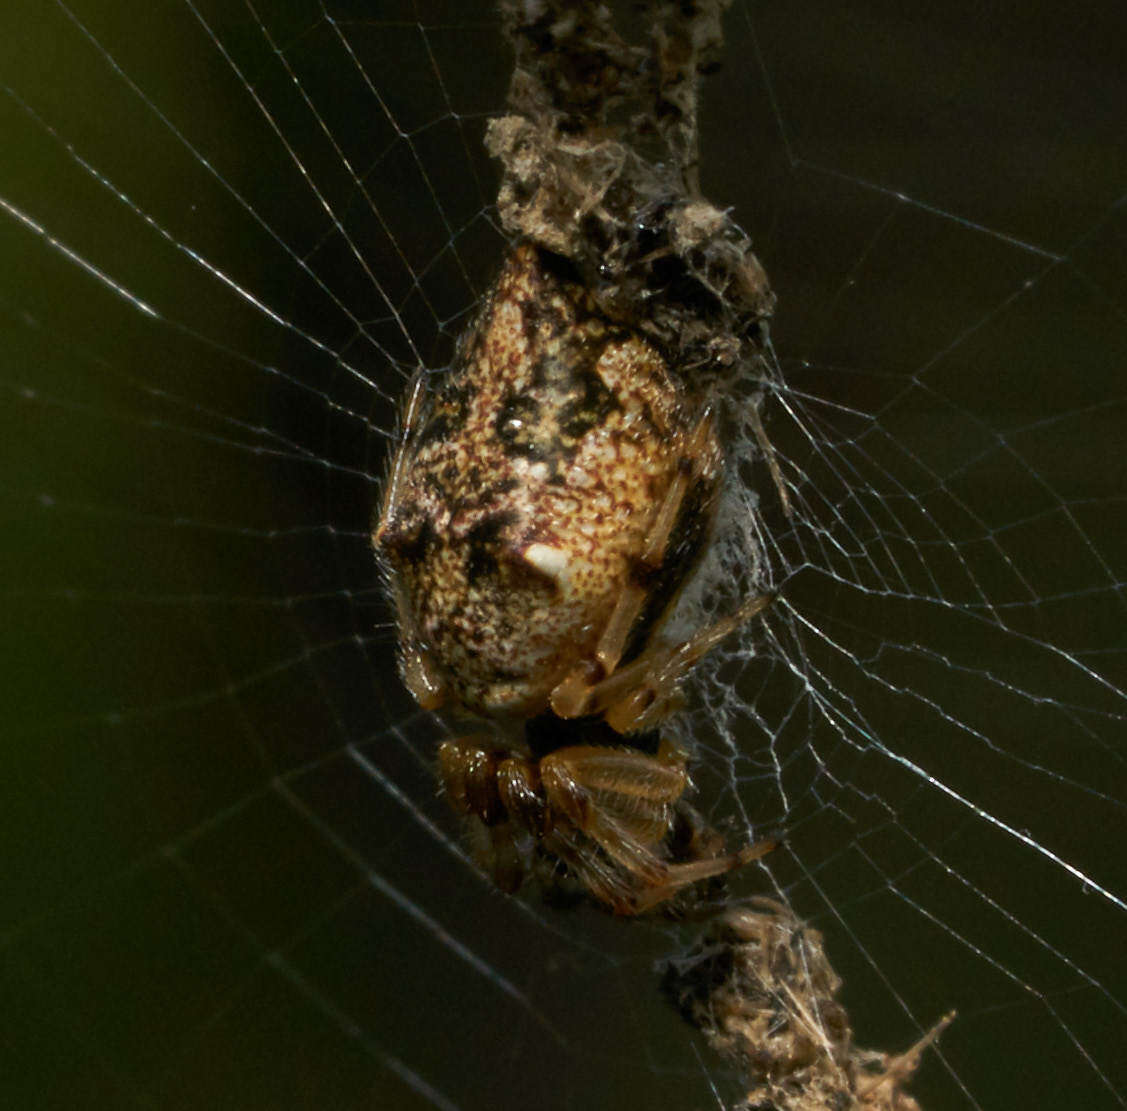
(483,543)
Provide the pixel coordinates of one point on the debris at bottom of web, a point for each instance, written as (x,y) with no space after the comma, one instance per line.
(760,988)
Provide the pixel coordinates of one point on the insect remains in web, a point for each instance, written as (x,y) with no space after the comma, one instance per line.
(554,494)
(760,988)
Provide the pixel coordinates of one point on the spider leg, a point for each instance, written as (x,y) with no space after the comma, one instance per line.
(696,460)
(420,675)
(625,890)
(626,697)
(682,875)
(607,810)
(507,869)
(477,784)
(604,879)
(622,801)
(619,797)
(647,680)
(416,395)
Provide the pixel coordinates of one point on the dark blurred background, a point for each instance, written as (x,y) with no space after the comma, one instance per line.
(227,878)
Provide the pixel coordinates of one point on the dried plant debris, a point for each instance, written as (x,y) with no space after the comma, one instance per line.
(758,985)
(599,159)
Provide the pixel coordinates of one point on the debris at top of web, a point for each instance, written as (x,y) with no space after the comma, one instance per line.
(600,165)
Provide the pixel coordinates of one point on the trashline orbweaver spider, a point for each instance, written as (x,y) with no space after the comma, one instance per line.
(545,506)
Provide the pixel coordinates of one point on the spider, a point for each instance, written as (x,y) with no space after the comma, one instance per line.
(545,506)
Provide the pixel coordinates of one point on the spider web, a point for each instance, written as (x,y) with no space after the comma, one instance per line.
(230,232)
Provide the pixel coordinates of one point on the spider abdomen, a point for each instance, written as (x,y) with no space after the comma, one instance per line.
(528,486)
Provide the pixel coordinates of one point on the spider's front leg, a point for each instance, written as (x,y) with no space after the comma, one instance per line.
(636,696)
